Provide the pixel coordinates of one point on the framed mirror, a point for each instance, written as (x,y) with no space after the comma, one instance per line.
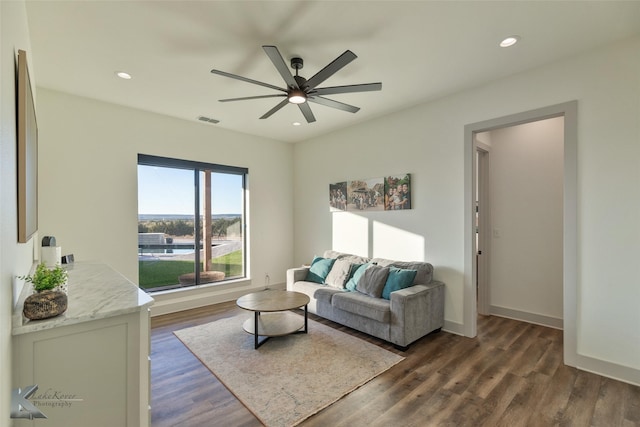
(27,154)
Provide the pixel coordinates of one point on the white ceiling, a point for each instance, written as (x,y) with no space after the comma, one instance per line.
(419,50)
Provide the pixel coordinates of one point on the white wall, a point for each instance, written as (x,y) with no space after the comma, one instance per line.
(525,186)
(15,259)
(428,141)
(88,184)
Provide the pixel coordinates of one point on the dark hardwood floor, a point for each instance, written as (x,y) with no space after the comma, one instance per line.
(510,375)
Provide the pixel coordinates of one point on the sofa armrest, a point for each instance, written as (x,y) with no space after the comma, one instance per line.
(416,311)
(296,275)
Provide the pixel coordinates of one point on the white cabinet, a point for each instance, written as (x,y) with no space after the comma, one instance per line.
(91,364)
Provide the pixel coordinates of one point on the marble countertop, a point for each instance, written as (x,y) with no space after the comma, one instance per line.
(95,291)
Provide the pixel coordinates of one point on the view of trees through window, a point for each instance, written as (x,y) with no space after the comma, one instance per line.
(189,214)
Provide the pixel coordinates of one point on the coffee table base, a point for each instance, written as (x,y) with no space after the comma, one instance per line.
(275,324)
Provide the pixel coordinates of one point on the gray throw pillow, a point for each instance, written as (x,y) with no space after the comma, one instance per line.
(424,271)
(373,280)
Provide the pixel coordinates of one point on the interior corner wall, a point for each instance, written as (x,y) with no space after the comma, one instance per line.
(526,193)
(88,185)
(428,141)
(15,258)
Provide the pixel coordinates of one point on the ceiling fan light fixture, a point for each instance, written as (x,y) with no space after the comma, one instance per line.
(297,96)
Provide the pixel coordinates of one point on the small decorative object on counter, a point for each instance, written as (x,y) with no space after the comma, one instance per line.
(48,241)
(49,299)
(50,253)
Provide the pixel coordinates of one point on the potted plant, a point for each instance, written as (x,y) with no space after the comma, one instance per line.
(49,299)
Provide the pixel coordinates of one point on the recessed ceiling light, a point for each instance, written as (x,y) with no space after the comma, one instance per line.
(296,123)
(123,75)
(509,41)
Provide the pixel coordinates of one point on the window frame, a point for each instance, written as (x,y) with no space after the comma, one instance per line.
(197,167)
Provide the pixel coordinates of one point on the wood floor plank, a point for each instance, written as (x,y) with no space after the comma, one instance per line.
(632,405)
(476,362)
(527,360)
(609,408)
(510,375)
(487,380)
(556,395)
(552,357)
(583,399)
(500,399)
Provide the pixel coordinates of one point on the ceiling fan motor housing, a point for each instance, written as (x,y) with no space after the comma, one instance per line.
(302,82)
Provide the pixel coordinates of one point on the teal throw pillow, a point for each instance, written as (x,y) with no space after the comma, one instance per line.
(320,268)
(398,279)
(357,270)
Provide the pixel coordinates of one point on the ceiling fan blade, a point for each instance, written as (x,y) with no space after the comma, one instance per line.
(274,109)
(252,97)
(244,79)
(367,87)
(335,104)
(274,54)
(306,112)
(330,69)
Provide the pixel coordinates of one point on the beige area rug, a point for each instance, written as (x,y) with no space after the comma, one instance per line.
(290,378)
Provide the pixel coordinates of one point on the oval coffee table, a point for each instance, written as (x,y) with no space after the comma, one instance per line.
(272,317)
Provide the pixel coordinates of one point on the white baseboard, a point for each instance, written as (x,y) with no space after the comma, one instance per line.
(538,319)
(609,369)
(453,327)
(184,299)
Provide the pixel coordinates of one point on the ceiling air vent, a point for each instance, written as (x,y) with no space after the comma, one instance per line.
(208,120)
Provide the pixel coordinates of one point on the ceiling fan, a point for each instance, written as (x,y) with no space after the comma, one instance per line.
(299,90)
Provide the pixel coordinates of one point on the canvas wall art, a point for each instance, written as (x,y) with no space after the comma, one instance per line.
(373,194)
(338,197)
(365,194)
(397,191)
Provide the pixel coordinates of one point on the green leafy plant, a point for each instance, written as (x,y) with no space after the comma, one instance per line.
(45,279)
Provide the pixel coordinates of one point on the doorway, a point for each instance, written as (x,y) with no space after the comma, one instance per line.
(569,213)
(482,225)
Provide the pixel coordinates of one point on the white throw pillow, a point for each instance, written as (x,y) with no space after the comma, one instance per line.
(339,274)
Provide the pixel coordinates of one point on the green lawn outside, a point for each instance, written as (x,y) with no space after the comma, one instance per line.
(159,273)
(230,263)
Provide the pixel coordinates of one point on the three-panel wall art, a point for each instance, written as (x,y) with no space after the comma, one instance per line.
(390,193)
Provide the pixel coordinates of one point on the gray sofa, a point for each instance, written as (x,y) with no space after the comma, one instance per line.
(407,315)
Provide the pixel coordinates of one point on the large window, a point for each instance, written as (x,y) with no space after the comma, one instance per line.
(191,223)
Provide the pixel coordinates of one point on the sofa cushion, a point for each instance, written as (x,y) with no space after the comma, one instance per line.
(398,279)
(319,269)
(324,294)
(357,270)
(424,270)
(307,288)
(339,274)
(354,302)
(373,280)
